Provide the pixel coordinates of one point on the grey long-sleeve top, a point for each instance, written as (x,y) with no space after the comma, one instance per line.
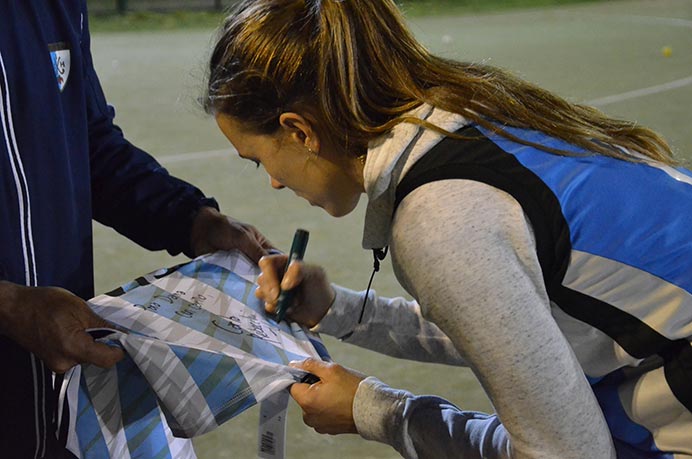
(466,252)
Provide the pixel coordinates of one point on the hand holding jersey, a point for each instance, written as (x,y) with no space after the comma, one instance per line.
(59,337)
(212,231)
(327,404)
(51,323)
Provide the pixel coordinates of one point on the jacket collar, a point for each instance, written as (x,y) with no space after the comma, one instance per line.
(389,158)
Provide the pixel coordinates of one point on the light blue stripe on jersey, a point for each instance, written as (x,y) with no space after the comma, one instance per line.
(91,442)
(140,414)
(217,376)
(217,386)
(210,324)
(220,278)
(629,212)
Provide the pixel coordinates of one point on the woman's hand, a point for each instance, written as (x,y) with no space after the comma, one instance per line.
(327,404)
(314,293)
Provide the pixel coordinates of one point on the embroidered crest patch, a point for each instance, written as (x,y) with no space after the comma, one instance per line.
(60,57)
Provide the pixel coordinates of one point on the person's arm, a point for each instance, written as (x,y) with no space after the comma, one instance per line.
(391,326)
(345,401)
(59,337)
(474,269)
(135,195)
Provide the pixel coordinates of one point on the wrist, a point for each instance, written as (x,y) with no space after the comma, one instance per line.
(202,220)
(339,318)
(378,411)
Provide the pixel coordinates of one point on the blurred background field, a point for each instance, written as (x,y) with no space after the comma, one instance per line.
(129,15)
(633,59)
(144,8)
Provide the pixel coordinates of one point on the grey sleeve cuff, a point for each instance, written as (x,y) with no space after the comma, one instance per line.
(378,414)
(343,315)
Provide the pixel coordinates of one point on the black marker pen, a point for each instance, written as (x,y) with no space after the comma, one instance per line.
(300,242)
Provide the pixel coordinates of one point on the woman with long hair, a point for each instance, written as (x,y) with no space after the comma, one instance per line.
(546,245)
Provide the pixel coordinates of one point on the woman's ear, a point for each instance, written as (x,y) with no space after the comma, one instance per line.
(300,130)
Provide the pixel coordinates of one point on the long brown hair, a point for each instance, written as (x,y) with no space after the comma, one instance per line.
(359,67)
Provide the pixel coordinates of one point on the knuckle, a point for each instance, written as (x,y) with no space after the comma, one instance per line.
(332,369)
(309,363)
(311,420)
(306,419)
(263,261)
(61,366)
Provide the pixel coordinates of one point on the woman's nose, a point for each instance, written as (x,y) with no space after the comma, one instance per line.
(276,184)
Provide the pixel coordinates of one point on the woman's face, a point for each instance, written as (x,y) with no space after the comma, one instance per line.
(295,158)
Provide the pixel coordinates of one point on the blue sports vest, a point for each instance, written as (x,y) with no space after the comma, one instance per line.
(614,241)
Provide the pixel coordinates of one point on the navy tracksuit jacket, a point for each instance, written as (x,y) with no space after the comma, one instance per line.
(62,163)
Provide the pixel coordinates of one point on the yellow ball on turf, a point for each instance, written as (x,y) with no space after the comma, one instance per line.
(666,51)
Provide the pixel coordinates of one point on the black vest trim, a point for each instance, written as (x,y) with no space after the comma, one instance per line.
(478,158)
(481,160)
(678,371)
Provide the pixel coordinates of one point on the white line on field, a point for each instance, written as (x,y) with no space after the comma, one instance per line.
(195,155)
(676,22)
(599,102)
